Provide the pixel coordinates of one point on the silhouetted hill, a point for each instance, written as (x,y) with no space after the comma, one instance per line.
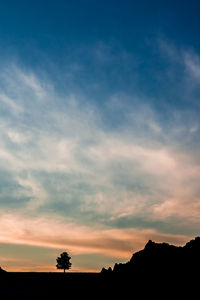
(2,271)
(161,264)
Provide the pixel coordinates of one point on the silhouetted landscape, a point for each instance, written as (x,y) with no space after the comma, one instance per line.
(158,270)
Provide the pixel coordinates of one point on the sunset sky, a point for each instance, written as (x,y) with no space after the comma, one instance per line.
(99,129)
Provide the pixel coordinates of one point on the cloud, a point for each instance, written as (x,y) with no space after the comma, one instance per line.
(108,176)
(58,135)
(192,63)
(78,240)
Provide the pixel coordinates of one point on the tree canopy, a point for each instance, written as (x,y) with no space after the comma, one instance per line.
(63,261)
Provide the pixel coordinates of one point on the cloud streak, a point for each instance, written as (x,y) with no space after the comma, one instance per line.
(79,240)
(67,163)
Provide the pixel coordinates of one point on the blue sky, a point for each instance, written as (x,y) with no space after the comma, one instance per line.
(99,129)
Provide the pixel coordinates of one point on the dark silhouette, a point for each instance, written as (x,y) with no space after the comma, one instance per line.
(159,271)
(160,266)
(63,261)
(161,258)
(2,271)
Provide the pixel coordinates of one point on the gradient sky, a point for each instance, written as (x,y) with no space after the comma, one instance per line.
(99,129)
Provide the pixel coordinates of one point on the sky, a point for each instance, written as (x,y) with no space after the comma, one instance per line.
(99,129)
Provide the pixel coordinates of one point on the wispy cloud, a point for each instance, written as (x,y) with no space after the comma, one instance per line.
(67,162)
(192,63)
(79,240)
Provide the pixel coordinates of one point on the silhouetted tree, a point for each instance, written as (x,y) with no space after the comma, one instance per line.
(63,261)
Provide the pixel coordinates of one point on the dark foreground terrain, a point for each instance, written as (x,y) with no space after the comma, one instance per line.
(159,271)
(96,286)
(36,285)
